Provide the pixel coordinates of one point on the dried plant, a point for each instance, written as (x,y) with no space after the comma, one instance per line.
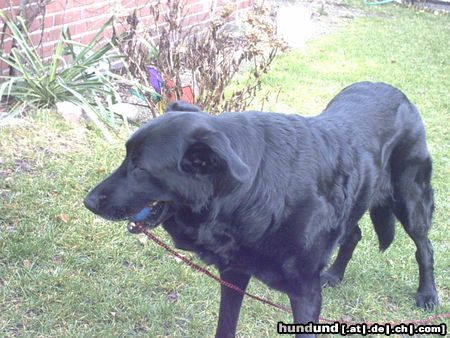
(209,59)
(136,47)
(226,52)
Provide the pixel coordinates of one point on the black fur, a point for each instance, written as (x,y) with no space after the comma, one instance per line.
(271,195)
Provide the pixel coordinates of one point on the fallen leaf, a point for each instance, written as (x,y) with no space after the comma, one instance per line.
(143,239)
(347,318)
(27,264)
(173,296)
(178,260)
(63,218)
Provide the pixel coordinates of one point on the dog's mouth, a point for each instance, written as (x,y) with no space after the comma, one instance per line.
(149,217)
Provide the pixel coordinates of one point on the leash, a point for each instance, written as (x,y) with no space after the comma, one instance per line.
(140,228)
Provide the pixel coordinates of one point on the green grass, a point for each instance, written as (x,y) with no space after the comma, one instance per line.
(66,273)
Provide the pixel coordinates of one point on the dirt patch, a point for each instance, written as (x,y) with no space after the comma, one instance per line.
(299,21)
(26,147)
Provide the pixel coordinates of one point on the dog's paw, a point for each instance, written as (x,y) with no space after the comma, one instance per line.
(427,301)
(330,279)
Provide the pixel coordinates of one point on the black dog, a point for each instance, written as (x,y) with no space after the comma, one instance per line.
(271,195)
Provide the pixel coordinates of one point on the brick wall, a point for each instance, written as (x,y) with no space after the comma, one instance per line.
(85,17)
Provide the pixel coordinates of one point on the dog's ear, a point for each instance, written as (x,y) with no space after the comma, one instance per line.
(182,106)
(208,151)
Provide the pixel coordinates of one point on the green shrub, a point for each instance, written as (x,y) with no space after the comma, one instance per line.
(72,74)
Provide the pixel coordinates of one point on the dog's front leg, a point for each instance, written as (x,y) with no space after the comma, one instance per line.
(306,302)
(230,303)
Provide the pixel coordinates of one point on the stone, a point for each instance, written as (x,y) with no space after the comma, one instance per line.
(7,119)
(70,111)
(128,111)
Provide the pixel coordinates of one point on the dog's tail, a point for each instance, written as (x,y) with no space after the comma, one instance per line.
(383,220)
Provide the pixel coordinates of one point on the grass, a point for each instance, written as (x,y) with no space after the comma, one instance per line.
(66,273)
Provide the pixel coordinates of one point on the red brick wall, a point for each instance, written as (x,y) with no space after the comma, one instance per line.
(85,17)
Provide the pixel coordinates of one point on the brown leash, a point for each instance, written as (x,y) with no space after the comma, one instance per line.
(206,272)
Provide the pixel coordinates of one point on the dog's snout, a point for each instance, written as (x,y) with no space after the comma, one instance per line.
(93,201)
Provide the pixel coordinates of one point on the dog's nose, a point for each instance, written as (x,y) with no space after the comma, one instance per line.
(92,202)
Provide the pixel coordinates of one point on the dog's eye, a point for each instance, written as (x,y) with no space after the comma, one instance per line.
(138,172)
(199,163)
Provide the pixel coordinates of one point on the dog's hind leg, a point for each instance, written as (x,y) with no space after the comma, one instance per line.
(335,273)
(230,303)
(413,206)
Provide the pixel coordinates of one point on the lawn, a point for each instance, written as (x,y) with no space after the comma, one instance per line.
(66,273)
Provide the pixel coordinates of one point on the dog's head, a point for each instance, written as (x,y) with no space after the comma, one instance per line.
(181,159)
